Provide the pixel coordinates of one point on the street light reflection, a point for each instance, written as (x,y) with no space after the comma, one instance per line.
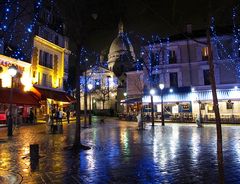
(174,141)
(124,141)
(90,159)
(195,141)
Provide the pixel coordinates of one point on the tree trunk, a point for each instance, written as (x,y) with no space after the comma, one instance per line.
(103,104)
(216,109)
(85,99)
(77,141)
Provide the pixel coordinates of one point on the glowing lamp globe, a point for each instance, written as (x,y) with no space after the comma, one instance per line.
(161,86)
(152,92)
(90,86)
(12,70)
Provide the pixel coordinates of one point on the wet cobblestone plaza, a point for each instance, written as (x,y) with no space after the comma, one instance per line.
(176,153)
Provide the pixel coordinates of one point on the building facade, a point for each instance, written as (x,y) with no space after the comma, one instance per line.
(101,99)
(182,66)
(46,67)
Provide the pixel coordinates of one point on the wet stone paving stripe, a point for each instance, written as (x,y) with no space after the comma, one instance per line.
(176,153)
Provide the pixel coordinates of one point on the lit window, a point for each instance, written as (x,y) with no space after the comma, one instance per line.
(204,53)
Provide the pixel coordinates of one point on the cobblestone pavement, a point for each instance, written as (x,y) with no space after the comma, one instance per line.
(176,153)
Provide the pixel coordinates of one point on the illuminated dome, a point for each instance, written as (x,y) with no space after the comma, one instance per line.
(121,46)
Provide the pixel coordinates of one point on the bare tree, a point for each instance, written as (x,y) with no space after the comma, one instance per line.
(102,95)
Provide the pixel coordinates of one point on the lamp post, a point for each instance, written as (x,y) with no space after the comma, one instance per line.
(90,87)
(152,92)
(200,111)
(125,96)
(108,84)
(161,86)
(12,70)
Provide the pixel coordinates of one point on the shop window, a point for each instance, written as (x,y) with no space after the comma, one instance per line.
(205,53)
(173,79)
(210,109)
(206,77)
(202,106)
(229,104)
(172,57)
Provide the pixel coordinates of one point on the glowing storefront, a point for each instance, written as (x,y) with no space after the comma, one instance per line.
(22,99)
(187,105)
(49,63)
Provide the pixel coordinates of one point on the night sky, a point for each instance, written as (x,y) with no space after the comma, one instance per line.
(149,17)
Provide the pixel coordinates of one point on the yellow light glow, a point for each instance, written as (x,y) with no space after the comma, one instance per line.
(54,49)
(6,80)
(28,87)
(49,44)
(26,80)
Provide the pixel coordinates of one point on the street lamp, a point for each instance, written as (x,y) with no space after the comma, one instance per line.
(12,71)
(90,87)
(161,86)
(125,94)
(152,92)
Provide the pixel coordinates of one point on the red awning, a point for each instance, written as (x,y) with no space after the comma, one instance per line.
(54,94)
(19,97)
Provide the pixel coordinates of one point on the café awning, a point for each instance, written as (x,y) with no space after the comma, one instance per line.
(57,95)
(19,97)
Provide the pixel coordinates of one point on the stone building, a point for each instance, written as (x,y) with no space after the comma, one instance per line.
(181,65)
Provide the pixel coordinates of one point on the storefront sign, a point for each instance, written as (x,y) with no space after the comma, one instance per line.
(185,107)
(7,64)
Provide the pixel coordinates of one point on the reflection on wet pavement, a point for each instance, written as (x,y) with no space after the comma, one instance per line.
(120,153)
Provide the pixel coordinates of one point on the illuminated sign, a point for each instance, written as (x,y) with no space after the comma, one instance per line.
(7,64)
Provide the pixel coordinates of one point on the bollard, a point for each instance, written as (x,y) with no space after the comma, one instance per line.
(34,157)
(34,151)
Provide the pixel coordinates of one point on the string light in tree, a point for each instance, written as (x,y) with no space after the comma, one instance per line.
(232,60)
(16,26)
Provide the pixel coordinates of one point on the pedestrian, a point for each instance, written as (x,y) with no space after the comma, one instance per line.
(139,120)
(60,116)
(57,115)
(68,116)
(198,121)
(31,116)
